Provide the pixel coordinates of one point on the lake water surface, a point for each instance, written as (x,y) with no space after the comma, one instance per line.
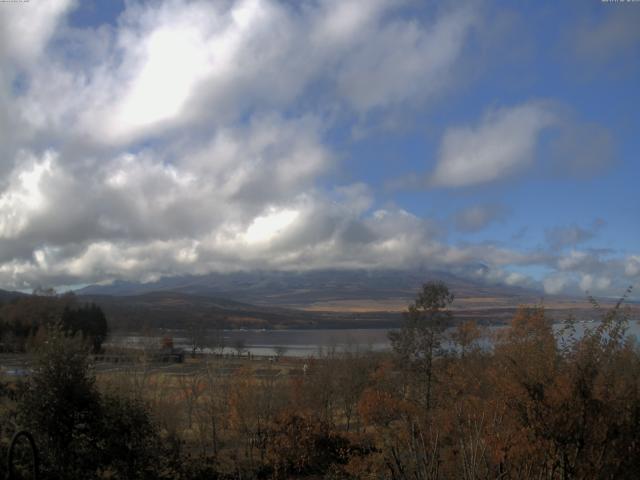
(305,343)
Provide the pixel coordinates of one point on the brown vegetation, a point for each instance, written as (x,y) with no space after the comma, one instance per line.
(533,406)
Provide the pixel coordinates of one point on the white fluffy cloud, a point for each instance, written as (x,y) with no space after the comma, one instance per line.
(590,283)
(158,145)
(632,266)
(133,197)
(556,283)
(25,29)
(191,137)
(503,142)
(169,65)
(403,61)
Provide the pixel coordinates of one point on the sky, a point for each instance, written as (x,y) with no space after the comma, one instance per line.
(494,140)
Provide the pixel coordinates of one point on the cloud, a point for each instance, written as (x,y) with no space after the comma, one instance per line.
(613,34)
(195,136)
(577,260)
(143,196)
(506,141)
(599,272)
(517,279)
(502,143)
(171,65)
(590,283)
(632,266)
(26,29)
(403,60)
(572,235)
(154,145)
(582,150)
(556,283)
(477,217)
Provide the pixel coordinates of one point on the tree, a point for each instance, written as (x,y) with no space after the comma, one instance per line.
(240,346)
(59,404)
(301,447)
(280,351)
(167,342)
(41,291)
(216,338)
(351,376)
(419,338)
(465,335)
(198,336)
(126,439)
(577,403)
(80,433)
(23,317)
(89,320)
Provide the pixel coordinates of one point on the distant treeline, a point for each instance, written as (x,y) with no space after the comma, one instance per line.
(24,320)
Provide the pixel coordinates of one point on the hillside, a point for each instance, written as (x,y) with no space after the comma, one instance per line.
(180,310)
(339,290)
(7,295)
(329,299)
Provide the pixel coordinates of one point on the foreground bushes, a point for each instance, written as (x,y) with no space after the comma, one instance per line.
(81,433)
(534,406)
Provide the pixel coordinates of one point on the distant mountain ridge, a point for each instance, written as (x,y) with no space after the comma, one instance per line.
(318,299)
(267,299)
(300,289)
(187,312)
(8,295)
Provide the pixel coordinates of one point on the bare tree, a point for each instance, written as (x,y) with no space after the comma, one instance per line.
(216,338)
(198,336)
(280,351)
(465,335)
(240,346)
(191,386)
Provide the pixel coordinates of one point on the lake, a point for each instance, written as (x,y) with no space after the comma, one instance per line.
(303,343)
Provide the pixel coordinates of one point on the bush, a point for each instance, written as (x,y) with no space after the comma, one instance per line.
(81,434)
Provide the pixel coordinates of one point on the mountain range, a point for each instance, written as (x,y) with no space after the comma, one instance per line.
(329,298)
(313,299)
(313,289)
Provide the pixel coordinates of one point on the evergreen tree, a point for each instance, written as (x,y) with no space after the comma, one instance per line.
(419,338)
